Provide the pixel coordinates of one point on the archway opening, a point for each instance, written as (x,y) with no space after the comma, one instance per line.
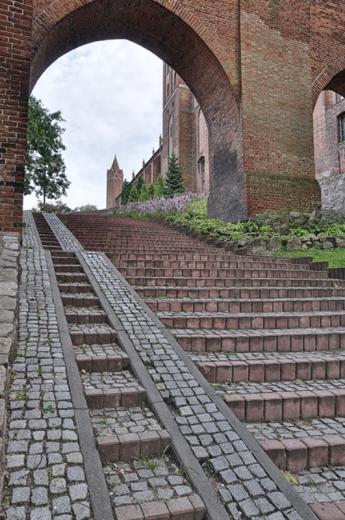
(61,28)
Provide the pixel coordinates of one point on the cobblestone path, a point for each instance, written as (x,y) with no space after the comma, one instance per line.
(269,336)
(45,470)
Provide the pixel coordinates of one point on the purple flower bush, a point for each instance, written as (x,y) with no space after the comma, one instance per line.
(175,204)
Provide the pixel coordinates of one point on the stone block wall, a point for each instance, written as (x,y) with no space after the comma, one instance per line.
(9,270)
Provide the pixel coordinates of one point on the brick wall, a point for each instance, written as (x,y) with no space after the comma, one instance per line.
(15,52)
(255,66)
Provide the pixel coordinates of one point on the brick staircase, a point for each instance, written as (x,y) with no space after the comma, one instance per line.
(143,479)
(268,333)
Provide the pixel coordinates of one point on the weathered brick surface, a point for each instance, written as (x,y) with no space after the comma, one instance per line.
(255,66)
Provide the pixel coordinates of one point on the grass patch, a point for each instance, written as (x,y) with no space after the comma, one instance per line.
(334,257)
(290,477)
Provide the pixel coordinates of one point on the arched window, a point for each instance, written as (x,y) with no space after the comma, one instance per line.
(201,171)
(341,127)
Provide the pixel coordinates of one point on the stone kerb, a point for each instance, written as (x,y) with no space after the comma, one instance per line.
(9,254)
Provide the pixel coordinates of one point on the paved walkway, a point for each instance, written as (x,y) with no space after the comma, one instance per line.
(45,472)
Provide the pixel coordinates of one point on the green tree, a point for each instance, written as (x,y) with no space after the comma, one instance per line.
(150,192)
(126,188)
(173,182)
(45,171)
(140,183)
(133,194)
(57,207)
(86,207)
(144,193)
(158,188)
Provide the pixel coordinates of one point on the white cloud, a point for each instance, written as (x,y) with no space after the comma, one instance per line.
(110,94)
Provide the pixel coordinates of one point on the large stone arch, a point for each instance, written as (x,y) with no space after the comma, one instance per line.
(66,25)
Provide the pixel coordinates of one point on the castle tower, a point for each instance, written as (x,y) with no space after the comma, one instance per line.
(114,183)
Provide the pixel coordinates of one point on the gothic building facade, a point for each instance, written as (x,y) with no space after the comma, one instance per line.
(184,135)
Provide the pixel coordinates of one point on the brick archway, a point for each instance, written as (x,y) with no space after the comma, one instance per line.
(163,31)
(332,77)
(250,63)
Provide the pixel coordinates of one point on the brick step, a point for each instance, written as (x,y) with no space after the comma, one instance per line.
(331,509)
(148,247)
(72,288)
(126,434)
(285,340)
(166,293)
(298,445)
(90,335)
(85,316)
(101,358)
(209,264)
(79,300)
(233,321)
(276,402)
(112,390)
(68,268)
(232,282)
(157,272)
(164,479)
(51,247)
(253,368)
(212,255)
(64,256)
(58,260)
(70,277)
(245,305)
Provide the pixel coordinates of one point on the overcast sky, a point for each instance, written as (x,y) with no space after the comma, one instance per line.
(110,95)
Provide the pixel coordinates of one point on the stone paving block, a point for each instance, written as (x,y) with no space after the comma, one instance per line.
(129,513)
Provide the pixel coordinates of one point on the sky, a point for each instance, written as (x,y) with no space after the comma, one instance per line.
(110,95)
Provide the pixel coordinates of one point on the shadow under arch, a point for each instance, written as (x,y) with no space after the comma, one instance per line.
(161,31)
(332,77)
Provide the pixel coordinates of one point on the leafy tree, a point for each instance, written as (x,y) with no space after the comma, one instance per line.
(133,194)
(144,193)
(126,188)
(158,188)
(86,208)
(45,168)
(173,182)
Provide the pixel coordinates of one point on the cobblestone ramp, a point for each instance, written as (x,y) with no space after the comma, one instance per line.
(247,483)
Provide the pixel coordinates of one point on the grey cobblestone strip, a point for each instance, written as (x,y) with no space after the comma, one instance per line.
(244,485)
(45,471)
(285,386)
(299,429)
(9,253)
(67,240)
(321,485)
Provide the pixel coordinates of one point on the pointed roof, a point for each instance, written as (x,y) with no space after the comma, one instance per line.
(115,165)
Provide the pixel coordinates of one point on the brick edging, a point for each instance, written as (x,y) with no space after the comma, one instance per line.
(182,450)
(98,489)
(274,473)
